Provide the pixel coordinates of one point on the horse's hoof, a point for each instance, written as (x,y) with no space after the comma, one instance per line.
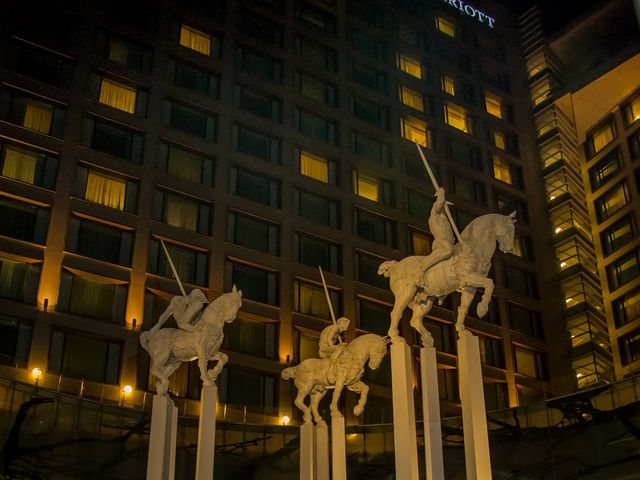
(321,423)
(397,339)
(357,411)
(336,413)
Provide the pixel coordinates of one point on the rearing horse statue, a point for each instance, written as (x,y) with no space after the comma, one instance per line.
(465,271)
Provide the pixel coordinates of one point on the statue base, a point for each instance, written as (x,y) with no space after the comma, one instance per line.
(306,451)
(474,414)
(322,452)
(161,462)
(207,432)
(338,449)
(434,462)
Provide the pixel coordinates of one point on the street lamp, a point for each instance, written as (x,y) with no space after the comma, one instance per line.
(36,373)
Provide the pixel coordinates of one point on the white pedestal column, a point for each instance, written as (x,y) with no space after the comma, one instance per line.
(306,451)
(338,448)
(404,415)
(474,414)
(322,452)
(161,461)
(207,432)
(434,462)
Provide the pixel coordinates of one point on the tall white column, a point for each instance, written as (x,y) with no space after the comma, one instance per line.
(404,415)
(338,448)
(474,414)
(306,451)
(434,462)
(162,439)
(206,432)
(321,462)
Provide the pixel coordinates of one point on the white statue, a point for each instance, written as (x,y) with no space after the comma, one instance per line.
(330,344)
(418,281)
(199,335)
(315,376)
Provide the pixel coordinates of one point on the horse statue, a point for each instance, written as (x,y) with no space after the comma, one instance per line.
(315,376)
(168,347)
(464,271)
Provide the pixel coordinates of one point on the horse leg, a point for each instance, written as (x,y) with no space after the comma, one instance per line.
(361,388)
(404,294)
(316,396)
(465,301)
(339,385)
(303,391)
(158,367)
(202,363)
(221,361)
(419,312)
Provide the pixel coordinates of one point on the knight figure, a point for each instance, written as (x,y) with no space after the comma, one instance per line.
(186,311)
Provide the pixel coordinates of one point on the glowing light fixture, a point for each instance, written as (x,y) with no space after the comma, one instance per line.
(127,389)
(563,264)
(285,420)
(558,229)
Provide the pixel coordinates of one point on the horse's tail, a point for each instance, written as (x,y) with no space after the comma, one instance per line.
(387,268)
(289,373)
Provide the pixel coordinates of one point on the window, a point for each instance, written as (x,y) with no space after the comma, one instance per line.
(418,204)
(499,139)
(415,130)
(371,148)
(445,26)
(525,321)
(186,165)
(15,342)
(634,144)
(263,29)
(448,389)
(493,104)
(605,170)
(502,170)
(316,18)
(316,89)
(310,299)
(92,298)
(191,265)
(369,77)
(618,234)
(375,228)
(469,190)
(623,270)
(196,40)
(369,111)
(256,187)
(367,271)
(317,167)
(611,202)
(419,243)
(256,283)
(252,337)
(632,111)
(412,98)
(253,233)
(410,35)
(444,336)
(372,47)
(113,140)
(315,126)
(257,103)
(19,280)
(317,208)
(33,114)
(600,138)
(496,395)
(84,357)
(630,347)
(41,65)
(105,188)
(372,187)
(530,363)
(28,166)
(305,346)
(465,154)
(28,222)
(627,307)
(317,54)
(190,120)
(125,53)
(181,211)
(521,281)
(240,388)
(100,241)
(193,78)
(117,95)
(410,65)
(522,247)
(448,85)
(256,143)
(457,117)
(491,351)
(259,65)
(317,252)
(373,316)
(507,205)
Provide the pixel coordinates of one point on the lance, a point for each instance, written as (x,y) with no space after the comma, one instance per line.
(326,293)
(436,186)
(173,269)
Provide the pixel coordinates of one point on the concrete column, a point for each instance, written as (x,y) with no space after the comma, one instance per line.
(322,452)
(306,451)
(338,449)
(161,461)
(474,414)
(434,462)
(404,415)
(206,433)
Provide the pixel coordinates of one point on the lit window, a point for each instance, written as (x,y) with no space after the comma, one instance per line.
(445,26)
(366,186)
(410,65)
(181,212)
(457,117)
(493,104)
(416,131)
(412,99)
(195,40)
(420,244)
(632,111)
(105,190)
(37,116)
(499,140)
(314,167)
(448,85)
(117,95)
(20,164)
(501,170)
(602,137)
(611,202)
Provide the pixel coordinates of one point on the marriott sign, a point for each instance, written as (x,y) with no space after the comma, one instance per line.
(471,11)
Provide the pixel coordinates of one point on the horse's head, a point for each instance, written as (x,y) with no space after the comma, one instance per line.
(505,232)
(377,351)
(225,307)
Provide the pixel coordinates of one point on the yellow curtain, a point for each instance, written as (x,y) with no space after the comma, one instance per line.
(195,40)
(421,244)
(184,165)
(448,85)
(118,96)
(456,117)
(499,141)
(501,170)
(416,131)
(37,116)
(313,301)
(411,66)
(602,138)
(19,164)
(105,190)
(181,213)
(367,187)
(314,167)
(446,27)
(412,99)
(493,105)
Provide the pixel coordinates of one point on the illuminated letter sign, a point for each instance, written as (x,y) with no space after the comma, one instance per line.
(471,12)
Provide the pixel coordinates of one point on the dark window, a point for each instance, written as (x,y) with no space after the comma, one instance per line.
(125,53)
(618,234)
(253,233)
(256,187)
(316,18)
(627,307)
(507,205)
(256,143)
(40,65)
(28,222)
(246,389)
(373,316)
(469,190)
(193,78)
(15,342)
(525,321)
(369,77)
(186,164)
(375,228)
(381,375)
(317,252)
(317,208)
(370,112)
(263,29)
(448,384)
(113,140)
(258,65)
(252,337)
(256,284)
(19,280)
(182,212)
(444,336)
(605,170)
(310,299)
(257,103)
(491,352)
(419,205)
(496,395)
(311,87)
(623,270)
(521,281)
(630,347)
(372,47)
(317,54)
(367,271)
(190,120)
(634,144)
(464,154)
(191,265)
(317,127)
(371,149)
(530,363)
(99,241)
(611,201)
(92,298)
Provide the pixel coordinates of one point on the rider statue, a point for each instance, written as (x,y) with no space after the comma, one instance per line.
(442,232)
(330,344)
(186,311)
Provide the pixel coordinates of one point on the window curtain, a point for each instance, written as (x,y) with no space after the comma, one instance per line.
(118,96)
(367,187)
(20,164)
(448,85)
(602,138)
(456,117)
(105,190)
(247,336)
(314,167)
(118,52)
(84,358)
(501,170)
(11,278)
(92,298)
(195,40)
(37,116)
(413,99)
(421,244)
(312,301)
(309,347)
(493,105)
(181,212)
(416,132)
(184,165)
(183,260)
